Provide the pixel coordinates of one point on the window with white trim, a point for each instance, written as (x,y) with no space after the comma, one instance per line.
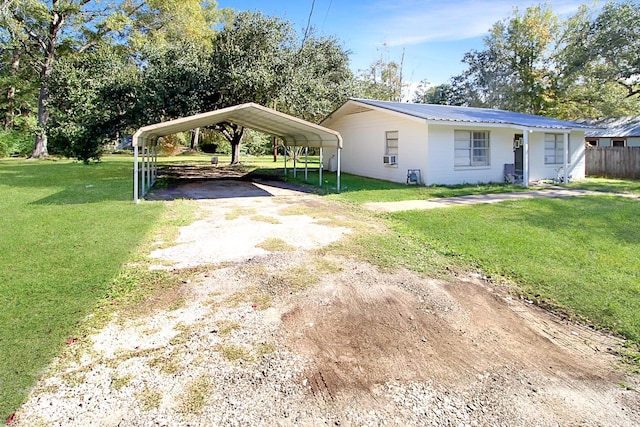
(471,148)
(553,148)
(391,143)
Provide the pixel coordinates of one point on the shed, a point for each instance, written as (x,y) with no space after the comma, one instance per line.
(441,144)
(294,132)
(615,132)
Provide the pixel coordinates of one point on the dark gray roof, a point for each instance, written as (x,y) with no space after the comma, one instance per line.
(451,113)
(622,126)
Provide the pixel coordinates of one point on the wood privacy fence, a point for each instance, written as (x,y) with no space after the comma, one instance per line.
(613,162)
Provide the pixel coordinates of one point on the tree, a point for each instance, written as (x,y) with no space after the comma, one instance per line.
(600,62)
(51,29)
(515,71)
(259,59)
(382,80)
(93,99)
(444,94)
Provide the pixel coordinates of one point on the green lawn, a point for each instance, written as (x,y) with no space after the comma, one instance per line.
(66,229)
(625,186)
(578,254)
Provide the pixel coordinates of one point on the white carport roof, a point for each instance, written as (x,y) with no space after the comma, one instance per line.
(292,130)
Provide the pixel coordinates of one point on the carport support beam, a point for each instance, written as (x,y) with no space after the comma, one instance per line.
(320,169)
(306,164)
(338,150)
(295,169)
(136,178)
(285,160)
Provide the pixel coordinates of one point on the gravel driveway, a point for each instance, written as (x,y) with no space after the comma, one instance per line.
(275,328)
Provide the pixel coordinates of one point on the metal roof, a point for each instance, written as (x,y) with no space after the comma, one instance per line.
(449,113)
(292,130)
(618,127)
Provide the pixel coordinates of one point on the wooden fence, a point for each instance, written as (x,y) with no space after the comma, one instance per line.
(613,162)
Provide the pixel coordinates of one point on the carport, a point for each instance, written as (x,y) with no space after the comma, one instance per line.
(294,132)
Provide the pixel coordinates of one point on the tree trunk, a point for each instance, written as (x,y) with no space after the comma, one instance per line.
(235,145)
(11,93)
(275,149)
(195,136)
(40,146)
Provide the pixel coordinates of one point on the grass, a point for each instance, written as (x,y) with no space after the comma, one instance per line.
(624,186)
(66,230)
(195,396)
(358,189)
(577,254)
(274,244)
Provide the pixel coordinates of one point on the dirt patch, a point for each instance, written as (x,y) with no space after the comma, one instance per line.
(365,330)
(299,337)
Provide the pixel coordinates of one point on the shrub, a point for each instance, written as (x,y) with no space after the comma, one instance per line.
(15,143)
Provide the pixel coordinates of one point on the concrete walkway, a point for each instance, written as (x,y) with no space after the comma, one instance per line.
(407,205)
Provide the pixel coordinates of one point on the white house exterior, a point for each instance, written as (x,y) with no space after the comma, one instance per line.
(454,145)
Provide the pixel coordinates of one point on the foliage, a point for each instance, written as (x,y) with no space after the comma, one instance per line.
(63,29)
(609,45)
(85,114)
(256,143)
(600,53)
(444,94)
(14,142)
(382,80)
(176,81)
(534,62)
(259,59)
(514,72)
(66,231)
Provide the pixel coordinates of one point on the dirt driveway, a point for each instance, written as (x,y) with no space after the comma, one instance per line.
(276,329)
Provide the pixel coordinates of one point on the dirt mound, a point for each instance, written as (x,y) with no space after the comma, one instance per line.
(362,334)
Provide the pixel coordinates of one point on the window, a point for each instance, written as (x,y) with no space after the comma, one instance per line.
(471,148)
(553,148)
(617,143)
(391,143)
(592,142)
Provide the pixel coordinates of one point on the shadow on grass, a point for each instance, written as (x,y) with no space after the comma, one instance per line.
(68,182)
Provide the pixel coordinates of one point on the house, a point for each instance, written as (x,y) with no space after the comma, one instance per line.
(618,132)
(438,144)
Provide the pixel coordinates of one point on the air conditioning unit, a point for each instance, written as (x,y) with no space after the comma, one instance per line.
(390,159)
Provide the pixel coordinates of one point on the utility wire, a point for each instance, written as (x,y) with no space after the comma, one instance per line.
(327,14)
(306,31)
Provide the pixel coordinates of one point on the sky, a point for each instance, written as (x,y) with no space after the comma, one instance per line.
(434,35)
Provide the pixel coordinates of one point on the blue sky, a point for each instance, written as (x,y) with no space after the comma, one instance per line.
(434,34)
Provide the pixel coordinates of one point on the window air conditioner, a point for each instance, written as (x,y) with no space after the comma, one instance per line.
(390,159)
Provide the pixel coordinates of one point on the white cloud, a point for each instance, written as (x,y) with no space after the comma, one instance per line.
(410,22)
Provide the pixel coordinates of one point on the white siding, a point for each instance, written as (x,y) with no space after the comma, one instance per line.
(538,170)
(363,136)
(441,169)
(431,149)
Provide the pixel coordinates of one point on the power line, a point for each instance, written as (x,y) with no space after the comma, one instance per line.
(327,14)
(306,31)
